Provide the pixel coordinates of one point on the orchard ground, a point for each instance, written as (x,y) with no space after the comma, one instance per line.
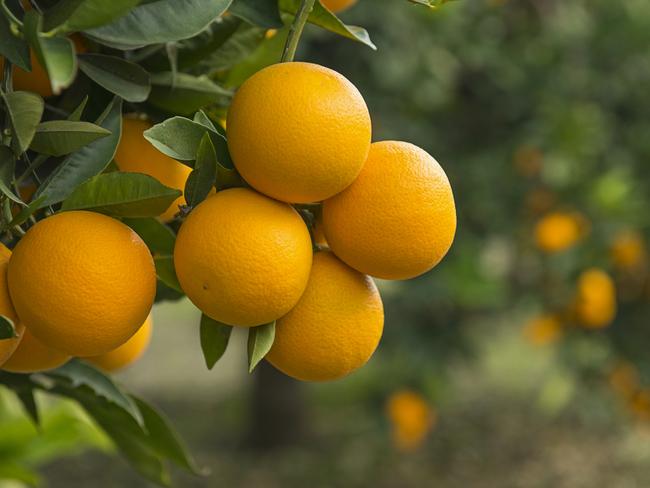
(573,437)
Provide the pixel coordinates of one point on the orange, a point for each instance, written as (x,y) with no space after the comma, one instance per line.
(7,346)
(595,303)
(411,418)
(335,327)
(543,330)
(82,282)
(136,155)
(628,250)
(298,132)
(398,219)
(33,356)
(243,258)
(127,353)
(558,231)
(338,5)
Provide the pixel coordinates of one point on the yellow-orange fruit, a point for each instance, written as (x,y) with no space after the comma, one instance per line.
(335,327)
(628,251)
(33,356)
(398,219)
(82,282)
(136,155)
(338,5)
(595,303)
(558,231)
(243,258)
(127,353)
(298,132)
(7,346)
(543,330)
(411,419)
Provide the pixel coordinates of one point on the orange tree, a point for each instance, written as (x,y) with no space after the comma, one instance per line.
(114,142)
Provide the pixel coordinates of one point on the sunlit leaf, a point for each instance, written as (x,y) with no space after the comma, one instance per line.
(260,341)
(122,195)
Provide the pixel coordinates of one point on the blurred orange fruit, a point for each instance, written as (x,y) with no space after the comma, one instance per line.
(243,258)
(558,231)
(543,330)
(595,303)
(335,327)
(33,356)
(82,282)
(136,155)
(628,250)
(298,132)
(411,418)
(397,220)
(126,354)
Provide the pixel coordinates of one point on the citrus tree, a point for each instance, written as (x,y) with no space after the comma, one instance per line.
(120,186)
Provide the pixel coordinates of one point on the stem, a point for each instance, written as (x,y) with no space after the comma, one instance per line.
(295,31)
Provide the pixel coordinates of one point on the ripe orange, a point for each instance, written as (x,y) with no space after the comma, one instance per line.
(558,231)
(298,132)
(335,327)
(136,155)
(628,251)
(398,219)
(127,353)
(595,303)
(543,330)
(33,356)
(82,282)
(7,346)
(243,258)
(411,417)
(338,5)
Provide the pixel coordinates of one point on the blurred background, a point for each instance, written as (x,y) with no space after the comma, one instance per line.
(523,359)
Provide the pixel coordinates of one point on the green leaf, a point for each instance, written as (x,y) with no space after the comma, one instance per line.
(267,53)
(237,47)
(184,94)
(201,180)
(214,340)
(24,110)
(27,400)
(163,439)
(166,272)
(159,21)
(228,178)
(87,162)
(28,211)
(259,12)
(179,138)
(201,118)
(59,137)
(10,470)
(7,168)
(322,17)
(76,114)
(78,374)
(430,3)
(13,48)
(56,54)
(77,15)
(122,195)
(117,75)
(129,435)
(189,52)
(7,328)
(260,341)
(157,236)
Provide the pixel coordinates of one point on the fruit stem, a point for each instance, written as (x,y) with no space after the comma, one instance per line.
(295,31)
